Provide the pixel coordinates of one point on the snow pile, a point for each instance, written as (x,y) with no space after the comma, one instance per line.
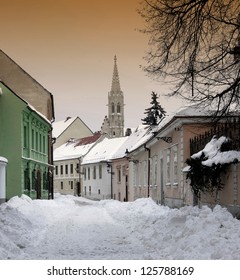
(212,153)
(76,228)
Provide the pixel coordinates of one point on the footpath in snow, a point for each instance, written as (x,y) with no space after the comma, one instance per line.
(76,228)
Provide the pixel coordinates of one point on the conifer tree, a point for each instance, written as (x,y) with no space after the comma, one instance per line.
(155,113)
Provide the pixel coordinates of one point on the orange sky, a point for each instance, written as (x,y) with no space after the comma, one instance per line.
(68,46)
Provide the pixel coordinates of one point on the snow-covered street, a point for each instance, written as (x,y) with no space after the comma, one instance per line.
(76,228)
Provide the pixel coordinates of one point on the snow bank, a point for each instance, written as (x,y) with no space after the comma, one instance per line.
(76,228)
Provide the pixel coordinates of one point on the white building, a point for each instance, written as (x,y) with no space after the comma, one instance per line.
(97,169)
(67,161)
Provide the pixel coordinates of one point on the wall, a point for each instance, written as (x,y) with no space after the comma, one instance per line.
(11,108)
(66,182)
(35,167)
(96,184)
(121,186)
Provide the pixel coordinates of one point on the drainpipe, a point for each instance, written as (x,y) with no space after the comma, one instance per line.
(149,156)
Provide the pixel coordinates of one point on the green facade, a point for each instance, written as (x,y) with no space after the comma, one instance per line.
(24,142)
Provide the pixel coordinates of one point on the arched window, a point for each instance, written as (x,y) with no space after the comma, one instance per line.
(113,109)
(118,108)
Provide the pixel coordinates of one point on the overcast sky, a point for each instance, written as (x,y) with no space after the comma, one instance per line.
(68,46)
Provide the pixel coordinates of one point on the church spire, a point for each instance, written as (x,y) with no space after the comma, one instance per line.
(115,78)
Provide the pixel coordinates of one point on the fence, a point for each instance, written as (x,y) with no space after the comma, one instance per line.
(229,129)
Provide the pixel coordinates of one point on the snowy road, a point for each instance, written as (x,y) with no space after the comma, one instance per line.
(75,228)
(83,231)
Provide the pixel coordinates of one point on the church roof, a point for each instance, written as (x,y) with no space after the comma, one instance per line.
(115,79)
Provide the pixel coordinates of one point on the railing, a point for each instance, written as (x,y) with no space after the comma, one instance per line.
(229,129)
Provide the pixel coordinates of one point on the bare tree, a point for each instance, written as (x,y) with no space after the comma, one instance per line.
(196,43)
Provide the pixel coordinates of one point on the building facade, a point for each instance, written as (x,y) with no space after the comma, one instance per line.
(68,174)
(24,142)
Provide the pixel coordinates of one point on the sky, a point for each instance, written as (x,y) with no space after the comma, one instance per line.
(68,46)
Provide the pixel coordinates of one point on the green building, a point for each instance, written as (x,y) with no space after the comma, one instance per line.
(25,137)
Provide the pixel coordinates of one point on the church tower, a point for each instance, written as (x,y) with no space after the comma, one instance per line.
(115,105)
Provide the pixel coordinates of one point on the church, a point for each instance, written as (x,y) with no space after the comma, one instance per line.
(113,124)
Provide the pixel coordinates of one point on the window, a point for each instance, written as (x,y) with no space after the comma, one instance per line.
(90,190)
(113,109)
(77,167)
(25,137)
(85,173)
(61,169)
(40,142)
(155,171)
(94,172)
(36,141)
(85,190)
(100,171)
(136,174)
(44,144)
(168,170)
(99,191)
(56,170)
(71,185)
(66,169)
(88,173)
(61,185)
(119,175)
(118,108)
(150,168)
(71,168)
(33,139)
(145,173)
(175,163)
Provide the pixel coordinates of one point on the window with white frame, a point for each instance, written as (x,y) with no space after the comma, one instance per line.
(175,163)
(155,171)
(150,162)
(168,169)
(145,173)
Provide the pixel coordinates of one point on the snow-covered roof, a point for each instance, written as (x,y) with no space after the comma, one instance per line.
(104,150)
(136,139)
(75,148)
(144,133)
(60,126)
(192,111)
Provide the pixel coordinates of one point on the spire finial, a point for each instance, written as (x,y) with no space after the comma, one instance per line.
(115,78)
